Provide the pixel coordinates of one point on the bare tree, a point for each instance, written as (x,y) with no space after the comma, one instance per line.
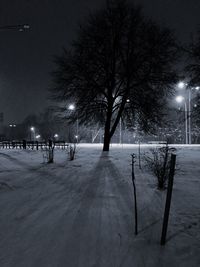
(120,65)
(193,73)
(193,68)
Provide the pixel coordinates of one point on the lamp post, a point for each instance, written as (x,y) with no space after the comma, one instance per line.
(19,27)
(32,131)
(180,99)
(56,136)
(72,107)
(183,85)
(120,123)
(12,126)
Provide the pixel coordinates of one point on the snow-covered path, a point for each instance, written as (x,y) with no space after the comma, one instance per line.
(80,213)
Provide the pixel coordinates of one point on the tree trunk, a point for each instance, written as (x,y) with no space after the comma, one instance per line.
(106,142)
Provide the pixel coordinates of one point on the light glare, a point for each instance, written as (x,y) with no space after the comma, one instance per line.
(181,85)
(179,99)
(71,107)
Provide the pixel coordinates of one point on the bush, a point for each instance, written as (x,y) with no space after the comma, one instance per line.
(159,163)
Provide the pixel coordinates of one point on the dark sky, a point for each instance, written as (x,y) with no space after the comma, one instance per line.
(26,57)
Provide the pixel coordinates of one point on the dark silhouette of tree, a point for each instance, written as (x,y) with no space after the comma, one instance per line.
(193,75)
(48,124)
(193,68)
(120,66)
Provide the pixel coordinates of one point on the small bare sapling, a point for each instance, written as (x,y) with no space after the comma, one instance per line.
(72,151)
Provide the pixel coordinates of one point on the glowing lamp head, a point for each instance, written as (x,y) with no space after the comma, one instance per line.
(32,129)
(71,107)
(179,99)
(55,135)
(181,85)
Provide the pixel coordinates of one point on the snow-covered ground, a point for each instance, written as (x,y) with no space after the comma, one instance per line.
(81,212)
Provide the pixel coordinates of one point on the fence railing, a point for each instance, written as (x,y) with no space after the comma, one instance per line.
(34,145)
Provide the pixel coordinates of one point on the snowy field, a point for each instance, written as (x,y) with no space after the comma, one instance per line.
(81,213)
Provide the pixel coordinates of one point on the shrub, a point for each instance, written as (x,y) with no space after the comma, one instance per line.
(159,163)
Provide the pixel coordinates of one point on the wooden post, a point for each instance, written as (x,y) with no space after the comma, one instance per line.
(168,199)
(135,198)
(24,144)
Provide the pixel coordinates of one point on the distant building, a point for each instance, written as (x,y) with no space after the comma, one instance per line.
(1,123)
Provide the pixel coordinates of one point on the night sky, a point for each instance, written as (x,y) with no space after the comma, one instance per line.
(26,57)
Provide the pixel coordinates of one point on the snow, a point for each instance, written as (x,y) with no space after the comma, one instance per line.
(81,212)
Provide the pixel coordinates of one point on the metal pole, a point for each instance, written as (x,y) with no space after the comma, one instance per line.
(135,197)
(186,124)
(189,115)
(139,158)
(120,130)
(168,199)
(20,27)
(77,129)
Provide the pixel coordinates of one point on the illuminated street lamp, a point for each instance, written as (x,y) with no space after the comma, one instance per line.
(183,85)
(19,27)
(180,99)
(72,107)
(76,136)
(12,131)
(33,131)
(37,136)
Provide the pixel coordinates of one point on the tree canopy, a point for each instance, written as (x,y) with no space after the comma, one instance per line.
(119,66)
(193,68)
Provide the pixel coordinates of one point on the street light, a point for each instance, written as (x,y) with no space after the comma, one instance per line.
(72,107)
(12,131)
(19,27)
(180,99)
(183,85)
(33,131)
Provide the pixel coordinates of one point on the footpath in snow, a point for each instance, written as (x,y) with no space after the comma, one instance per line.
(81,213)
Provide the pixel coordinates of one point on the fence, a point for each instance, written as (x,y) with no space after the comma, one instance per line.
(33,145)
